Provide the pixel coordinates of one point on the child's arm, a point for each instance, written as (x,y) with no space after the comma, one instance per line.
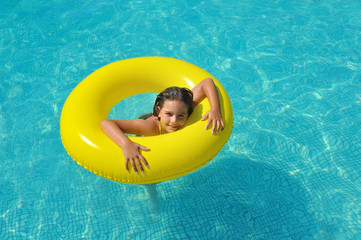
(206,88)
(115,130)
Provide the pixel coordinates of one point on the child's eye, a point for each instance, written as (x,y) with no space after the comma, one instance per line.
(168,114)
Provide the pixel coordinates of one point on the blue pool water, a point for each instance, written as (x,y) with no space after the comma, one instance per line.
(291,169)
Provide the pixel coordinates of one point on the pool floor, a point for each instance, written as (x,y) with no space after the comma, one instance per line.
(290,170)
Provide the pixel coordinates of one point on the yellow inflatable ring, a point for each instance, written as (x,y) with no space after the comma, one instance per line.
(171,155)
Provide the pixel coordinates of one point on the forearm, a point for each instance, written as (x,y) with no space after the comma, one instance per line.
(114,132)
(210,91)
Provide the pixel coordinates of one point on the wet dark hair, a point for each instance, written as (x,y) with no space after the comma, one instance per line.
(173,94)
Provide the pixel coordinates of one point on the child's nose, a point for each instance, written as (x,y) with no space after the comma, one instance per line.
(173,119)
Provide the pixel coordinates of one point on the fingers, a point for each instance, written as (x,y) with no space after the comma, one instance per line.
(207,125)
(222,123)
(143,148)
(141,156)
(126,165)
(217,122)
(144,161)
(216,125)
(139,164)
(205,116)
(134,162)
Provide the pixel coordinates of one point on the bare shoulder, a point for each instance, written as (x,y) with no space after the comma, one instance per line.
(146,127)
(152,124)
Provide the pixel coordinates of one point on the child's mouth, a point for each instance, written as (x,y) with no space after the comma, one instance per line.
(173,127)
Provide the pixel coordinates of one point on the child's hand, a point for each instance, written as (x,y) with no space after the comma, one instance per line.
(132,154)
(214,117)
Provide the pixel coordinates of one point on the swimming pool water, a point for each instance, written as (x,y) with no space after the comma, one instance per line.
(291,169)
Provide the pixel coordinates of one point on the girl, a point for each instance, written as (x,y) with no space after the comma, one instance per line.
(171,110)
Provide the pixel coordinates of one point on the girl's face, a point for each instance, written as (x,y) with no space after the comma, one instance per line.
(173,116)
